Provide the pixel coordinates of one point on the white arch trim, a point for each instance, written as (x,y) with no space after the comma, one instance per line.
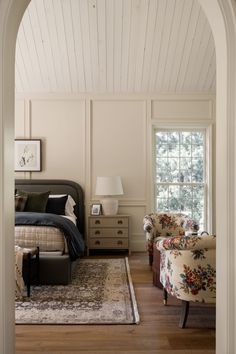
(222,21)
(221,16)
(11,12)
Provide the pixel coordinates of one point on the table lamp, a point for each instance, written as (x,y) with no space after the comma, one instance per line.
(108,187)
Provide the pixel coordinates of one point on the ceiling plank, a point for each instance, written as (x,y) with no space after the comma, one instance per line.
(127,10)
(162,8)
(151,28)
(78,45)
(85,30)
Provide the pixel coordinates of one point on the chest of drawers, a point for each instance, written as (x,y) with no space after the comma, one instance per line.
(108,232)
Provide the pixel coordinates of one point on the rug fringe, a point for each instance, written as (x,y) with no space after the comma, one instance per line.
(132,293)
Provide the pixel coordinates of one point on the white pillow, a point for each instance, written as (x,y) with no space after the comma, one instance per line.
(70,203)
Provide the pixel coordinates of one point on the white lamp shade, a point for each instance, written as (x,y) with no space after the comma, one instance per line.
(109,186)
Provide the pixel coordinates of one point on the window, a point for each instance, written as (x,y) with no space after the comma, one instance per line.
(180,172)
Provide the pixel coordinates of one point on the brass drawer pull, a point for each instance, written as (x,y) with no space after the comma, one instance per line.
(119,242)
(120,232)
(97,232)
(120,222)
(97,222)
(97,242)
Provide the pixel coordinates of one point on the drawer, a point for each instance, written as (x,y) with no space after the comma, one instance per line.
(109,243)
(108,222)
(108,232)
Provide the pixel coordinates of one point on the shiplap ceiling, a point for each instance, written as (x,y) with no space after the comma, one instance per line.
(115,46)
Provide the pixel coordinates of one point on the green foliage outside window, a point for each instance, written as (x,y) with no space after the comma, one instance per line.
(180,175)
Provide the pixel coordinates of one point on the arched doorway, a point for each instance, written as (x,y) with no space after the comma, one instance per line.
(222,21)
(221,15)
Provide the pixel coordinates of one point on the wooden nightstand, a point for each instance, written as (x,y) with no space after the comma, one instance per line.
(108,232)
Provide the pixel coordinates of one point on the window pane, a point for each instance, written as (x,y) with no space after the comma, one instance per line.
(162,204)
(174,204)
(185,163)
(161,137)
(197,170)
(162,192)
(197,151)
(162,150)
(173,137)
(185,137)
(173,150)
(197,138)
(174,191)
(198,192)
(185,197)
(185,176)
(185,150)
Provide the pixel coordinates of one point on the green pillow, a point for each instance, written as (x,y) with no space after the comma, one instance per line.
(36,202)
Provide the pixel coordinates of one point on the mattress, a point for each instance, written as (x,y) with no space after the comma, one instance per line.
(48,239)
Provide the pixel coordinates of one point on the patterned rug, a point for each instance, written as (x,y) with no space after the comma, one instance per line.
(101,292)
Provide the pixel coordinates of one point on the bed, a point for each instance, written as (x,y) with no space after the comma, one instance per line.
(59,250)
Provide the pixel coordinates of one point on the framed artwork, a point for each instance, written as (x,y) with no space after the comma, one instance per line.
(96,209)
(27,155)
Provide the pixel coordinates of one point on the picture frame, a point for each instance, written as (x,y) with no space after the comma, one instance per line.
(28,155)
(96,209)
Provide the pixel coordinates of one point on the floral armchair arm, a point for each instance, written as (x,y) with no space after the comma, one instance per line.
(166,224)
(192,242)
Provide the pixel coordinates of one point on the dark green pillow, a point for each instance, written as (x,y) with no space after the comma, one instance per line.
(36,202)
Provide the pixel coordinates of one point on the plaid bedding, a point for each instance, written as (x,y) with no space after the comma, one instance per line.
(46,238)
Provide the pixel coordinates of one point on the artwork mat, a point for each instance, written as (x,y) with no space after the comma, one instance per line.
(29,149)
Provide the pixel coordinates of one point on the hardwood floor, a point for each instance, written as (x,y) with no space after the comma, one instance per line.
(158,332)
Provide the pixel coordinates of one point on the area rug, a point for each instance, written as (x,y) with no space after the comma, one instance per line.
(101,292)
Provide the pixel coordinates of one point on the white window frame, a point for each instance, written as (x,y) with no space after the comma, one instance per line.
(207,128)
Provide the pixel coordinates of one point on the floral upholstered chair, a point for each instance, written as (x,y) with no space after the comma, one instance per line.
(159,225)
(188,270)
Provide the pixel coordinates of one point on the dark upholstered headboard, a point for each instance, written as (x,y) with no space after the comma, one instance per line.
(57,186)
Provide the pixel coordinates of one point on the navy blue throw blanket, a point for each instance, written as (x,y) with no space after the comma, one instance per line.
(72,235)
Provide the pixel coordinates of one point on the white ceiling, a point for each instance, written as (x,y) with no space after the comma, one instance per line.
(115,46)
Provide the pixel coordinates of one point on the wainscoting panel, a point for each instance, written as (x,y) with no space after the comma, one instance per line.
(175,109)
(61,126)
(118,144)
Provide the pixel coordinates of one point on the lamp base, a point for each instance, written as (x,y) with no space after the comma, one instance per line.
(109,206)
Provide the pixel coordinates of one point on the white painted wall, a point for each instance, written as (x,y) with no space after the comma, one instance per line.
(85,137)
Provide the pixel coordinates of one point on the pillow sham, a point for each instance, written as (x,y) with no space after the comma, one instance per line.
(69,208)
(56,205)
(36,202)
(20,202)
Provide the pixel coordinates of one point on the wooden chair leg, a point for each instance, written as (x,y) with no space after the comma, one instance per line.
(150,259)
(37,266)
(184,314)
(165,296)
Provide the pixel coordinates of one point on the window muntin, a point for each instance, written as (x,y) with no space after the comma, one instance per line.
(180,182)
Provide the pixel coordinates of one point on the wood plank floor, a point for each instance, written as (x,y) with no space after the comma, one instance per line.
(158,332)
